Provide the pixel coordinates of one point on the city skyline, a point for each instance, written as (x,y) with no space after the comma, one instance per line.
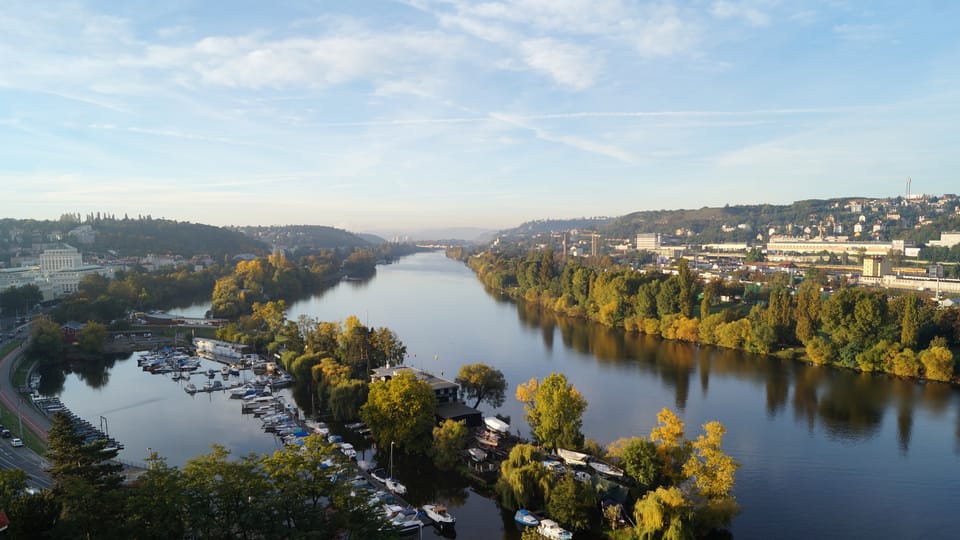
(421,114)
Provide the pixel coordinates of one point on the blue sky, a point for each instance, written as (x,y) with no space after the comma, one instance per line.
(400,116)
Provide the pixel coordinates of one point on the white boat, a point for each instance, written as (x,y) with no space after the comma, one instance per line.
(190,388)
(477,454)
(496,424)
(439,515)
(526,518)
(549,528)
(395,487)
(572,458)
(582,476)
(554,466)
(607,469)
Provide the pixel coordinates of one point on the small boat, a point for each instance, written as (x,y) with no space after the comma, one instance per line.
(554,466)
(582,476)
(477,454)
(526,518)
(572,458)
(380,475)
(549,528)
(439,515)
(190,388)
(395,487)
(496,424)
(607,469)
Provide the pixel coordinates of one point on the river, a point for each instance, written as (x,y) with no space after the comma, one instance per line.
(824,453)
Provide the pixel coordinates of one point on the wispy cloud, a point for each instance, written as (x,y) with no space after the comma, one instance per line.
(861,32)
(573,141)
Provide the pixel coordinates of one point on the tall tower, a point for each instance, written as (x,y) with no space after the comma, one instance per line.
(595,246)
(908,187)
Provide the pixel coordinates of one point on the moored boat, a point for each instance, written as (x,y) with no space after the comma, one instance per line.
(572,458)
(552,530)
(526,518)
(496,424)
(606,468)
(190,388)
(439,515)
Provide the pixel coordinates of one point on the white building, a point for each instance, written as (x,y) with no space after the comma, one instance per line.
(948,239)
(648,242)
(65,256)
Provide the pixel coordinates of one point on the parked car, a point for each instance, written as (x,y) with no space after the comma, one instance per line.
(5,433)
(16,443)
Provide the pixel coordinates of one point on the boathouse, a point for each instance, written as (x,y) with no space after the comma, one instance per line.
(449,406)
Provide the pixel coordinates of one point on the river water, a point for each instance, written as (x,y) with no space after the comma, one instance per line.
(824,453)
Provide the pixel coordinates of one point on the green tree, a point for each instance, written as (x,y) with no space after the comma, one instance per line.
(401,410)
(449,440)
(46,342)
(641,461)
(156,503)
(523,481)
(570,503)
(85,481)
(92,337)
(482,383)
(554,411)
(225,496)
(346,398)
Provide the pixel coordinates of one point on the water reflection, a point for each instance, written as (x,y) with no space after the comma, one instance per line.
(849,406)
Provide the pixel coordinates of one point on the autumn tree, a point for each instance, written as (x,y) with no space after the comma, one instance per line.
(937,363)
(401,410)
(482,383)
(554,410)
(449,440)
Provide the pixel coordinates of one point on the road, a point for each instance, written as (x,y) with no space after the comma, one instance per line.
(34,420)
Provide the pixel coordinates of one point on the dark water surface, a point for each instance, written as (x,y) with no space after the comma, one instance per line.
(824,453)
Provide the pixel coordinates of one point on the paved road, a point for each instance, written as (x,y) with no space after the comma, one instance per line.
(33,420)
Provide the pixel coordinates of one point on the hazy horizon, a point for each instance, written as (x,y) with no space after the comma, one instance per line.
(425,114)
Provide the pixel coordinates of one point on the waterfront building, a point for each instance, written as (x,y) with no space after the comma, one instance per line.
(449,405)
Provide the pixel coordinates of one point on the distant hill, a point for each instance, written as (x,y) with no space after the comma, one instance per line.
(128,236)
(546,226)
(371,239)
(139,237)
(920,219)
(296,237)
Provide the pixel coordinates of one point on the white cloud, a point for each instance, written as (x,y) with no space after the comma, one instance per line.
(569,65)
(727,9)
(860,32)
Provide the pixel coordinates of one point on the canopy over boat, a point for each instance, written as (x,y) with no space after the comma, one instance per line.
(496,424)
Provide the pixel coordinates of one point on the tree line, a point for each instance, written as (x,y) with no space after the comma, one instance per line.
(296,492)
(906,335)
